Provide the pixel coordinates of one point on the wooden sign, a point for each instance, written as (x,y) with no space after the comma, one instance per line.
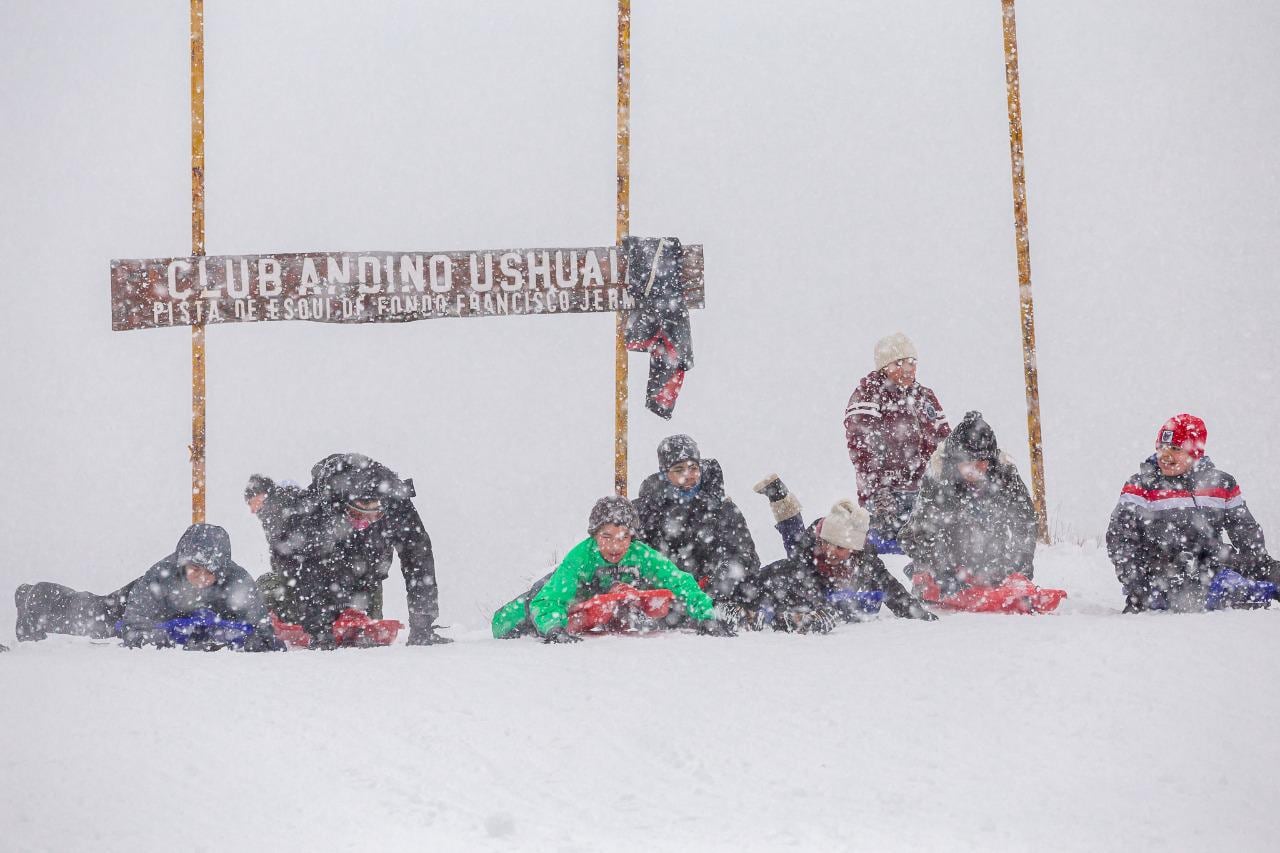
(377,287)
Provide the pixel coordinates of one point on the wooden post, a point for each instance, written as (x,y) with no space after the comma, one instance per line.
(624,226)
(1024,269)
(197,248)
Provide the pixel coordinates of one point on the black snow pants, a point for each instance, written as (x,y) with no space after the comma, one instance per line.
(56,609)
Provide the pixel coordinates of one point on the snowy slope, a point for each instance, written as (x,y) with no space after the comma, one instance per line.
(1078,731)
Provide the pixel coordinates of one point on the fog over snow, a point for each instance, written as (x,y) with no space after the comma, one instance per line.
(846,165)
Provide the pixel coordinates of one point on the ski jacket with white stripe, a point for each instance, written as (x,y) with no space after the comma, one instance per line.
(891,432)
(1162,523)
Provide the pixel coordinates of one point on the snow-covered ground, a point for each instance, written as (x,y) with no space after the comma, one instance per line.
(1083,730)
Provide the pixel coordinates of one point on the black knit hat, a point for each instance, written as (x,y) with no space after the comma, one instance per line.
(258,484)
(974,439)
(675,449)
(613,509)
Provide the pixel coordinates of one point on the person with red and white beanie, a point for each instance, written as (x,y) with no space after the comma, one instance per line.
(1181,536)
(892,426)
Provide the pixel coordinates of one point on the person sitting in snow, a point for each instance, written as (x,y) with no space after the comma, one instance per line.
(342,530)
(1181,536)
(602,584)
(973,522)
(198,578)
(892,426)
(685,514)
(829,570)
(272,503)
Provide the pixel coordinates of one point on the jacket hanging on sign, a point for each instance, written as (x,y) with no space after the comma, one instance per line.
(659,324)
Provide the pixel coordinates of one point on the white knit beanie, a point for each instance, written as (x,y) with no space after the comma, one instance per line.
(893,347)
(846,526)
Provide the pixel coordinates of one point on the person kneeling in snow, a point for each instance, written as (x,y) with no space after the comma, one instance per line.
(342,530)
(972,535)
(831,573)
(1166,532)
(197,597)
(685,515)
(610,581)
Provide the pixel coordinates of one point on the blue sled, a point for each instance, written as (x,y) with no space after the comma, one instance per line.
(862,601)
(1232,589)
(883,545)
(202,627)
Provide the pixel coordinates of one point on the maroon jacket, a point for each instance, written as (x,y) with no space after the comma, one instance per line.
(892,431)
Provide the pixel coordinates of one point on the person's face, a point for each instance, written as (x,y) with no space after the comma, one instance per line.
(362,513)
(1173,461)
(613,540)
(832,554)
(199,576)
(973,472)
(685,475)
(901,372)
(255,503)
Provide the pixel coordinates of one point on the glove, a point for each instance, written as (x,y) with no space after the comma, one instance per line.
(824,620)
(560,635)
(805,621)
(918,611)
(425,635)
(322,640)
(716,628)
(136,638)
(263,641)
(728,612)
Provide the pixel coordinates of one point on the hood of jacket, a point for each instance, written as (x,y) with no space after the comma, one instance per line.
(206,544)
(341,477)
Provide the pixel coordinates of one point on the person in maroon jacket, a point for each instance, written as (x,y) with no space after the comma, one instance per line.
(892,425)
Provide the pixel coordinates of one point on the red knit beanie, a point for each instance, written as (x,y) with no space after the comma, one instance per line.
(1185,431)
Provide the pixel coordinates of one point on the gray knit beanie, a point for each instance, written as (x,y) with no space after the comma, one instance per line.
(613,509)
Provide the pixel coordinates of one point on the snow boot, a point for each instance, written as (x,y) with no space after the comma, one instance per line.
(27,628)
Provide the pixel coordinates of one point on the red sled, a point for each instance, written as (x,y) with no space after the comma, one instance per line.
(355,628)
(609,611)
(1016,594)
(290,634)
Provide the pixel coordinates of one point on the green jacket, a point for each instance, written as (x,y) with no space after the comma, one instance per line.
(584,568)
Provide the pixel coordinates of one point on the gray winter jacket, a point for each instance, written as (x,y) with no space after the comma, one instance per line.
(164,593)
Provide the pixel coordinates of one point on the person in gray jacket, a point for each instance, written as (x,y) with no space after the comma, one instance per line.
(198,576)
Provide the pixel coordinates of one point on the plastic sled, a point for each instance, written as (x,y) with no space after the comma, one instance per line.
(865,602)
(1229,588)
(293,636)
(615,611)
(883,544)
(355,628)
(206,628)
(1016,594)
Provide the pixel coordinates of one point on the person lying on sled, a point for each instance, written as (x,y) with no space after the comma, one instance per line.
(610,581)
(831,574)
(973,528)
(1181,536)
(196,597)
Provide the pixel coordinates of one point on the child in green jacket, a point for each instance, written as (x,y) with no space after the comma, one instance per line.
(601,577)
